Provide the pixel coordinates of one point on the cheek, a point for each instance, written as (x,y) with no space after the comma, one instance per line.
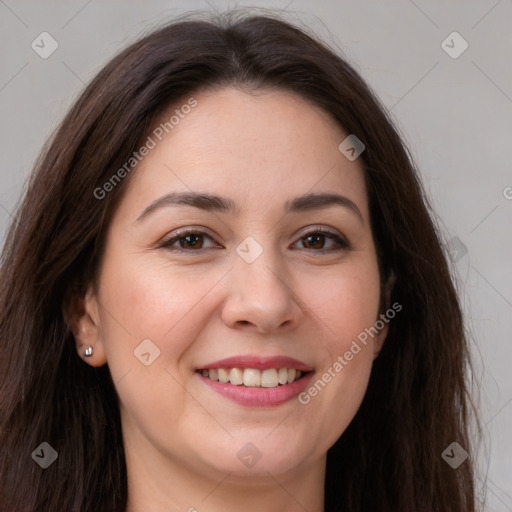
(151,300)
(345,303)
(142,302)
(346,307)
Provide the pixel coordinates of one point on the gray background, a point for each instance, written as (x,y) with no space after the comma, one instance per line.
(454,113)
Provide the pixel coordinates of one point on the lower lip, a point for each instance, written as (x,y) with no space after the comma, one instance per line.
(257,396)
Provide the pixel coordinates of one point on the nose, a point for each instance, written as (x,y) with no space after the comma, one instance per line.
(260,296)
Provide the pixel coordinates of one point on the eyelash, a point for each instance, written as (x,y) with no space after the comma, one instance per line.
(342,243)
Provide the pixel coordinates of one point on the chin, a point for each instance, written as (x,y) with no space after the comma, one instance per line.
(258,457)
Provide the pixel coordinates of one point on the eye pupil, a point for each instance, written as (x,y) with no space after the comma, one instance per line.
(191,241)
(314,240)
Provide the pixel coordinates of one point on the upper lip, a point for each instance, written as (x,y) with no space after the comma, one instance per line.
(258,362)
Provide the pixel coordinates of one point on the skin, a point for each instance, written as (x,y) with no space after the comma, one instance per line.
(181,438)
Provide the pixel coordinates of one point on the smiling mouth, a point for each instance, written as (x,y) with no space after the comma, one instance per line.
(252,377)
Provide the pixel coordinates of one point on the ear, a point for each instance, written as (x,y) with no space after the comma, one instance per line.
(380,337)
(378,340)
(81,314)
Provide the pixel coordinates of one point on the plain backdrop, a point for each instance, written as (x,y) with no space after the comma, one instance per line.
(453,109)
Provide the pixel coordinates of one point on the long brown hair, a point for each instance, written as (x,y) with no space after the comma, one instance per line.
(417,402)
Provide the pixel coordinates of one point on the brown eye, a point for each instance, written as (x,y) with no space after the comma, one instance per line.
(315,241)
(193,241)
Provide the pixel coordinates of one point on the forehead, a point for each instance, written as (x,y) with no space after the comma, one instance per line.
(259,149)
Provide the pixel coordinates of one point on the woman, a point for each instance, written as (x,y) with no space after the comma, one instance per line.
(224,289)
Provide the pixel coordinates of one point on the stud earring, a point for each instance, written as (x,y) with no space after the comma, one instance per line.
(88,352)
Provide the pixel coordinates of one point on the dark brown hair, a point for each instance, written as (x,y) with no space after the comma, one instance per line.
(417,402)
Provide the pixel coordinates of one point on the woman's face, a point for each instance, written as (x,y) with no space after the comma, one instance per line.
(280,275)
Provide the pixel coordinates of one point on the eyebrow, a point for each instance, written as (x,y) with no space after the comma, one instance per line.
(214,203)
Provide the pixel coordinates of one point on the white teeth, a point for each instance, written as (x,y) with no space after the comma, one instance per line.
(236,376)
(269,378)
(223,375)
(251,377)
